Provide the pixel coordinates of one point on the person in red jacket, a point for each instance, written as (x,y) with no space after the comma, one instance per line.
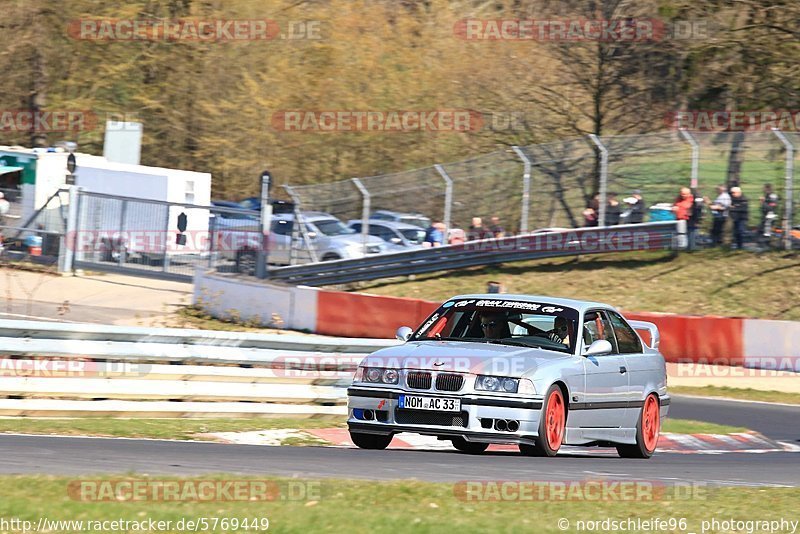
(683,207)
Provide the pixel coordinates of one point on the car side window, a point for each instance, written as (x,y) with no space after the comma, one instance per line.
(281,227)
(382,232)
(627,339)
(595,327)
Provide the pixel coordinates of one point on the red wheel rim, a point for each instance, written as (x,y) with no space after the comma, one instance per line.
(650,423)
(555,420)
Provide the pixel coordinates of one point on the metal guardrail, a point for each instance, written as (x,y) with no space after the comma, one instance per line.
(56,369)
(580,241)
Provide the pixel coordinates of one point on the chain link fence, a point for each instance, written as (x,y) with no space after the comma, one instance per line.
(550,185)
(162,239)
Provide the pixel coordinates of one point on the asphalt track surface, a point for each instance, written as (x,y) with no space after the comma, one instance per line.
(85,456)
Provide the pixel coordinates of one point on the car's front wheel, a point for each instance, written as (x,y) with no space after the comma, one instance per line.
(552,426)
(370,441)
(469,447)
(647,431)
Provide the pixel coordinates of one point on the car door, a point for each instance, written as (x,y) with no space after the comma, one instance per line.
(280,241)
(640,365)
(606,393)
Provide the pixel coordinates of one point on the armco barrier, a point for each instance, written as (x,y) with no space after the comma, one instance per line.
(720,340)
(58,369)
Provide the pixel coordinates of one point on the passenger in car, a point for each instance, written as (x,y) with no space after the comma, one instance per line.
(560,331)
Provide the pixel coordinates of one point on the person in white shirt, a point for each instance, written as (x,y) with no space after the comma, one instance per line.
(719,211)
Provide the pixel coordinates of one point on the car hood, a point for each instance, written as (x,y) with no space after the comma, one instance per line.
(465,357)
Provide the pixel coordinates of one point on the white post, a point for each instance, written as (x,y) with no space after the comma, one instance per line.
(448,199)
(365,208)
(788,189)
(601,217)
(70,240)
(695,154)
(526,189)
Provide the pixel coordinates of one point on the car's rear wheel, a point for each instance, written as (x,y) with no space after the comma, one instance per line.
(647,431)
(469,447)
(331,256)
(370,441)
(552,426)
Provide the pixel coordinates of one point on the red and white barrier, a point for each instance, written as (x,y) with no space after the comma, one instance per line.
(732,341)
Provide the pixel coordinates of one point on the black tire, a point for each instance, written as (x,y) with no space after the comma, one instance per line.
(370,441)
(542,447)
(246,261)
(330,256)
(469,447)
(640,450)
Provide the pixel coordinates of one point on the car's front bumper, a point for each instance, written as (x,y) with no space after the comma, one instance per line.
(476,412)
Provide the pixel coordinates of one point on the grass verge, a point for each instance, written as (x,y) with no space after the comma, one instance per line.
(402,506)
(189,428)
(737,393)
(689,426)
(156,428)
(636,281)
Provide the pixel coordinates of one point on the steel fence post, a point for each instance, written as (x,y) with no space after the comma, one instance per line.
(695,154)
(71,232)
(526,189)
(365,209)
(601,216)
(122,214)
(266,220)
(788,189)
(448,199)
(166,241)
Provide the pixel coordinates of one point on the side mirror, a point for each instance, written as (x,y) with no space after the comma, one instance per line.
(598,348)
(404,334)
(395,240)
(312,235)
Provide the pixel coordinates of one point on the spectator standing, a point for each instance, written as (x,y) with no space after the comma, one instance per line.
(635,212)
(769,210)
(719,213)
(434,235)
(695,217)
(477,230)
(591,213)
(5,206)
(684,208)
(739,212)
(613,210)
(496,229)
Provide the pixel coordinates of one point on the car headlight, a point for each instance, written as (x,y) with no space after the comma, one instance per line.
(377,375)
(497,383)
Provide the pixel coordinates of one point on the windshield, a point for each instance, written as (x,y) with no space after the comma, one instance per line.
(332,227)
(422,222)
(505,322)
(414,236)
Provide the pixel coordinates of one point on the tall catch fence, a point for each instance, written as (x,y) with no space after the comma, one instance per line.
(549,185)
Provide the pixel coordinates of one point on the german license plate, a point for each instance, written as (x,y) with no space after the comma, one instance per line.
(439,404)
